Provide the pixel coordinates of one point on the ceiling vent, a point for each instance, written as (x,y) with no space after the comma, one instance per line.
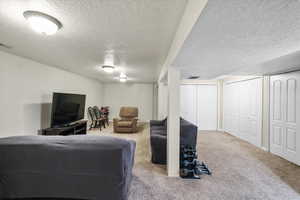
(194,77)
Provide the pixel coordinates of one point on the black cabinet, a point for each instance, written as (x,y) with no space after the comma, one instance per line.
(78,128)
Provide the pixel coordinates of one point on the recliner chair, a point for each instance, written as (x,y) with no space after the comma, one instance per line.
(128,121)
(158,138)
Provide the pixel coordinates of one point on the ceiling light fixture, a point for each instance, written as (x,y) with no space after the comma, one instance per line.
(123,77)
(42,23)
(108,68)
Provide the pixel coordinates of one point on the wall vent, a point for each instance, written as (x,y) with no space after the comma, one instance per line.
(194,77)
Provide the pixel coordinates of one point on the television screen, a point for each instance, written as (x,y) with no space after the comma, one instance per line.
(67,108)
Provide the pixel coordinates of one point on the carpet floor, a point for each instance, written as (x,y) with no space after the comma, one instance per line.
(241,171)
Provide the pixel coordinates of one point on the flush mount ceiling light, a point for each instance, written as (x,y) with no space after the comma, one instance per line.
(123,77)
(108,68)
(42,23)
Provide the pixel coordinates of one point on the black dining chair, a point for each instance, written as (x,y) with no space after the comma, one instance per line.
(95,121)
(99,118)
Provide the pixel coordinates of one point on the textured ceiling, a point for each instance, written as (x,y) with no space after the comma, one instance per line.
(138,32)
(243,37)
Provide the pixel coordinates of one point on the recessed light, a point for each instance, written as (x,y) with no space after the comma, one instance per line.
(108,68)
(122,75)
(124,79)
(42,23)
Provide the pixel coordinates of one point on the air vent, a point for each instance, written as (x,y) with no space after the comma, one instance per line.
(5,46)
(194,77)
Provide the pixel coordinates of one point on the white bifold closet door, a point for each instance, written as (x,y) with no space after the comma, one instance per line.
(199,105)
(243,110)
(285,116)
(207,101)
(188,103)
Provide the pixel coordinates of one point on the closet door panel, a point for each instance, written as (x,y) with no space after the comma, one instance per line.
(243,110)
(207,102)
(255,111)
(285,112)
(199,105)
(228,107)
(188,103)
(276,115)
(291,100)
(290,146)
(231,104)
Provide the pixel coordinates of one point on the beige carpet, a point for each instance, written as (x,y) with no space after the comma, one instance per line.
(240,172)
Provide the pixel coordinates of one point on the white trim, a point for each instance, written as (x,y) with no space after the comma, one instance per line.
(198,83)
(242,79)
(266,113)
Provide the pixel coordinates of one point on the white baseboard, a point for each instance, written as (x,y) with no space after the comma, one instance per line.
(220,130)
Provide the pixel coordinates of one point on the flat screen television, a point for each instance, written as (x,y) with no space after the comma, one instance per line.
(67,108)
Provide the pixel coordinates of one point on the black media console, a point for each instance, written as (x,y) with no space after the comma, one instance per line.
(79,128)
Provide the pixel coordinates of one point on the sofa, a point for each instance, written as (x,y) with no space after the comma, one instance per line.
(71,167)
(128,120)
(158,138)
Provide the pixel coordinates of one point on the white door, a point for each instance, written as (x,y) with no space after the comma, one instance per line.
(243,110)
(285,116)
(207,101)
(188,103)
(253,108)
(231,109)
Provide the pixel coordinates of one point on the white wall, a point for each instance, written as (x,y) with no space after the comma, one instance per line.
(138,95)
(188,103)
(155,101)
(162,101)
(26,89)
(207,107)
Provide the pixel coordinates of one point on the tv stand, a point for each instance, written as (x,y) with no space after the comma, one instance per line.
(78,128)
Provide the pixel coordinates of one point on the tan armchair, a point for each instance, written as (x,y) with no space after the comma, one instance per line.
(128,121)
